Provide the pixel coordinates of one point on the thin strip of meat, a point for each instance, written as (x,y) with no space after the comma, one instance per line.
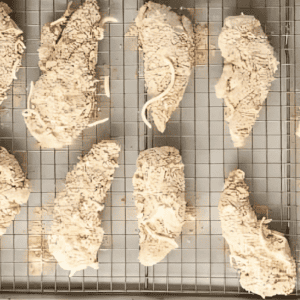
(166,38)
(159,188)
(62,101)
(76,234)
(14,189)
(249,68)
(11,50)
(262,256)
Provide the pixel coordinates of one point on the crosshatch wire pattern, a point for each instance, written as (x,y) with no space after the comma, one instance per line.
(197,129)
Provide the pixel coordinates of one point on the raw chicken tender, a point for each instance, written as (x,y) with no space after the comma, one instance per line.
(159,187)
(61,102)
(249,67)
(14,189)
(262,256)
(167,42)
(11,50)
(76,234)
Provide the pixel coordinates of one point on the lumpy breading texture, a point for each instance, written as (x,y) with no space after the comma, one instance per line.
(14,189)
(62,100)
(249,68)
(164,34)
(76,234)
(159,188)
(11,50)
(262,256)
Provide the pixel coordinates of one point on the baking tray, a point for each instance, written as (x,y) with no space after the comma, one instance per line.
(201,263)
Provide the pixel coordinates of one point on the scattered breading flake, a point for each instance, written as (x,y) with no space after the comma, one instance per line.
(39,258)
(204,50)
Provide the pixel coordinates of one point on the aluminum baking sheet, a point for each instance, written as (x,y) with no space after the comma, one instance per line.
(201,263)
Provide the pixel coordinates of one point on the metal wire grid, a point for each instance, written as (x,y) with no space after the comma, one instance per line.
(197,129)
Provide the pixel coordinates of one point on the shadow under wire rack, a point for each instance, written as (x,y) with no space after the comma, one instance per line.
(270,159)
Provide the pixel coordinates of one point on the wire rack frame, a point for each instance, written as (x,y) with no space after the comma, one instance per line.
(197,129)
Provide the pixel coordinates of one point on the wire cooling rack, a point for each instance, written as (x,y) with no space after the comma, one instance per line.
(201,263)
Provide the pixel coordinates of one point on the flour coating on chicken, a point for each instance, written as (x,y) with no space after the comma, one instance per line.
(249,68)
(76,234)
(61,102)
(14,189)
(167,42)
(262,256)
(159,188)
(11,50)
